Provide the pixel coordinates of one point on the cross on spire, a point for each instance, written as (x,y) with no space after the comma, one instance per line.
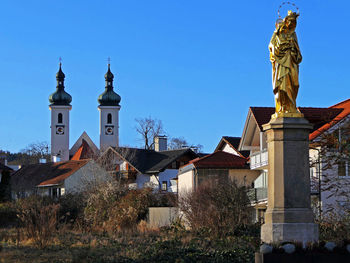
(109,60)
(60,60)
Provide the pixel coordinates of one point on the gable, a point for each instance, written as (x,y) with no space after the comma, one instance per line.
(79,142)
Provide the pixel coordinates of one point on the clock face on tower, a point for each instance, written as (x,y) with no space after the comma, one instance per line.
(60,129)
(109,130)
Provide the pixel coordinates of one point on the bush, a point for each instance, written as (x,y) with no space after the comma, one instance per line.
(101,201)
(38,217)
(335,228)
(72,207)
(8,215)
(130,210)
(113,207)
(217,208)
(161,199)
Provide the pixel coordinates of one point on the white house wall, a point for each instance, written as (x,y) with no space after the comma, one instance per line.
(185,182)
(168,175)
(154,181)
(89,173)
(229,149)
(142,180)
(335,191)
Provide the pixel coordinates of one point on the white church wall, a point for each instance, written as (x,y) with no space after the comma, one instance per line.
(109,132)
(60,131)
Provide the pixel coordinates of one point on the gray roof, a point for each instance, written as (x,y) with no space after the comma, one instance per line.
(150,161)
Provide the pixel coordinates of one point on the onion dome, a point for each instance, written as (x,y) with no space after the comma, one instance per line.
(109,97)
(60,96)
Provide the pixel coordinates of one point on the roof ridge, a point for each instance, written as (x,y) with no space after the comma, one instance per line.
(348,100)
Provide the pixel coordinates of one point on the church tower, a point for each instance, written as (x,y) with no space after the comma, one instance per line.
(109,114)
(60,107)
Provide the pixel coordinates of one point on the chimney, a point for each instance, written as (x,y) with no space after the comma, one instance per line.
(160,143)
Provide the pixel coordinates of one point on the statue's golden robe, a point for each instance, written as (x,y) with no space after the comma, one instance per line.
(285,57)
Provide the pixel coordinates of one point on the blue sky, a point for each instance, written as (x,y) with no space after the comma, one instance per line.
(195,65)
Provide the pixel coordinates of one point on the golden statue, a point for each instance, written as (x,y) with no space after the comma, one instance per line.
(285,57)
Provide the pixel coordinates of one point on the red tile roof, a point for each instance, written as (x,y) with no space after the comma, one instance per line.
(63,171)
(84,152)
(220,159)
(343,110)
(30,176)
(319,117)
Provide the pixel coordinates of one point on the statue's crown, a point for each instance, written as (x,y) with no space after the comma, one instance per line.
(292,14)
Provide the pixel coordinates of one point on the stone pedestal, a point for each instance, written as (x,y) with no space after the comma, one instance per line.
(289,217)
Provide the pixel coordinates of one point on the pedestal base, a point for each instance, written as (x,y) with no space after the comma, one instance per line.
(289,232)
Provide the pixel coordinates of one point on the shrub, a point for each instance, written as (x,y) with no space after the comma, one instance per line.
(38,217)
(130,210)
(217,208)
(161,199)
(72,207)
(101,201)
(8,215)
(335,228)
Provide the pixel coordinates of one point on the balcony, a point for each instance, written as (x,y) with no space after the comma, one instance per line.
(128,176)
(259,160)
(257,195)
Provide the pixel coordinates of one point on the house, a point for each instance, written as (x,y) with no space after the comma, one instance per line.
(325,121)
(230,144)
(4,169)
(5,175)
(219,165)
(147,168)
(56,179)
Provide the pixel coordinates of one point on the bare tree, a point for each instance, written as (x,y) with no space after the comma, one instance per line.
(149,128)
(181,142)
(330,162)
(177,143)
(31,154)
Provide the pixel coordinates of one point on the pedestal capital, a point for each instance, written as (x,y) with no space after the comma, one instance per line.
(287,123)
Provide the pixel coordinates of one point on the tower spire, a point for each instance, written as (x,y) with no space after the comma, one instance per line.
(60,96)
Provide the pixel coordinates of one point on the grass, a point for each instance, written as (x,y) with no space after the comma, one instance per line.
(151,246)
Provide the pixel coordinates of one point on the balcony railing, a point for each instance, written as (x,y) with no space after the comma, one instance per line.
(259,160)
(256,195)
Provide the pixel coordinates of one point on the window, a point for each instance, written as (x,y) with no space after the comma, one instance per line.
(60,118)
(261,216)
(164,186)
(343,168)
(109,118)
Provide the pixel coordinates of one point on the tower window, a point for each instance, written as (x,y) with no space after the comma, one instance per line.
(60,118)
(109,118)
